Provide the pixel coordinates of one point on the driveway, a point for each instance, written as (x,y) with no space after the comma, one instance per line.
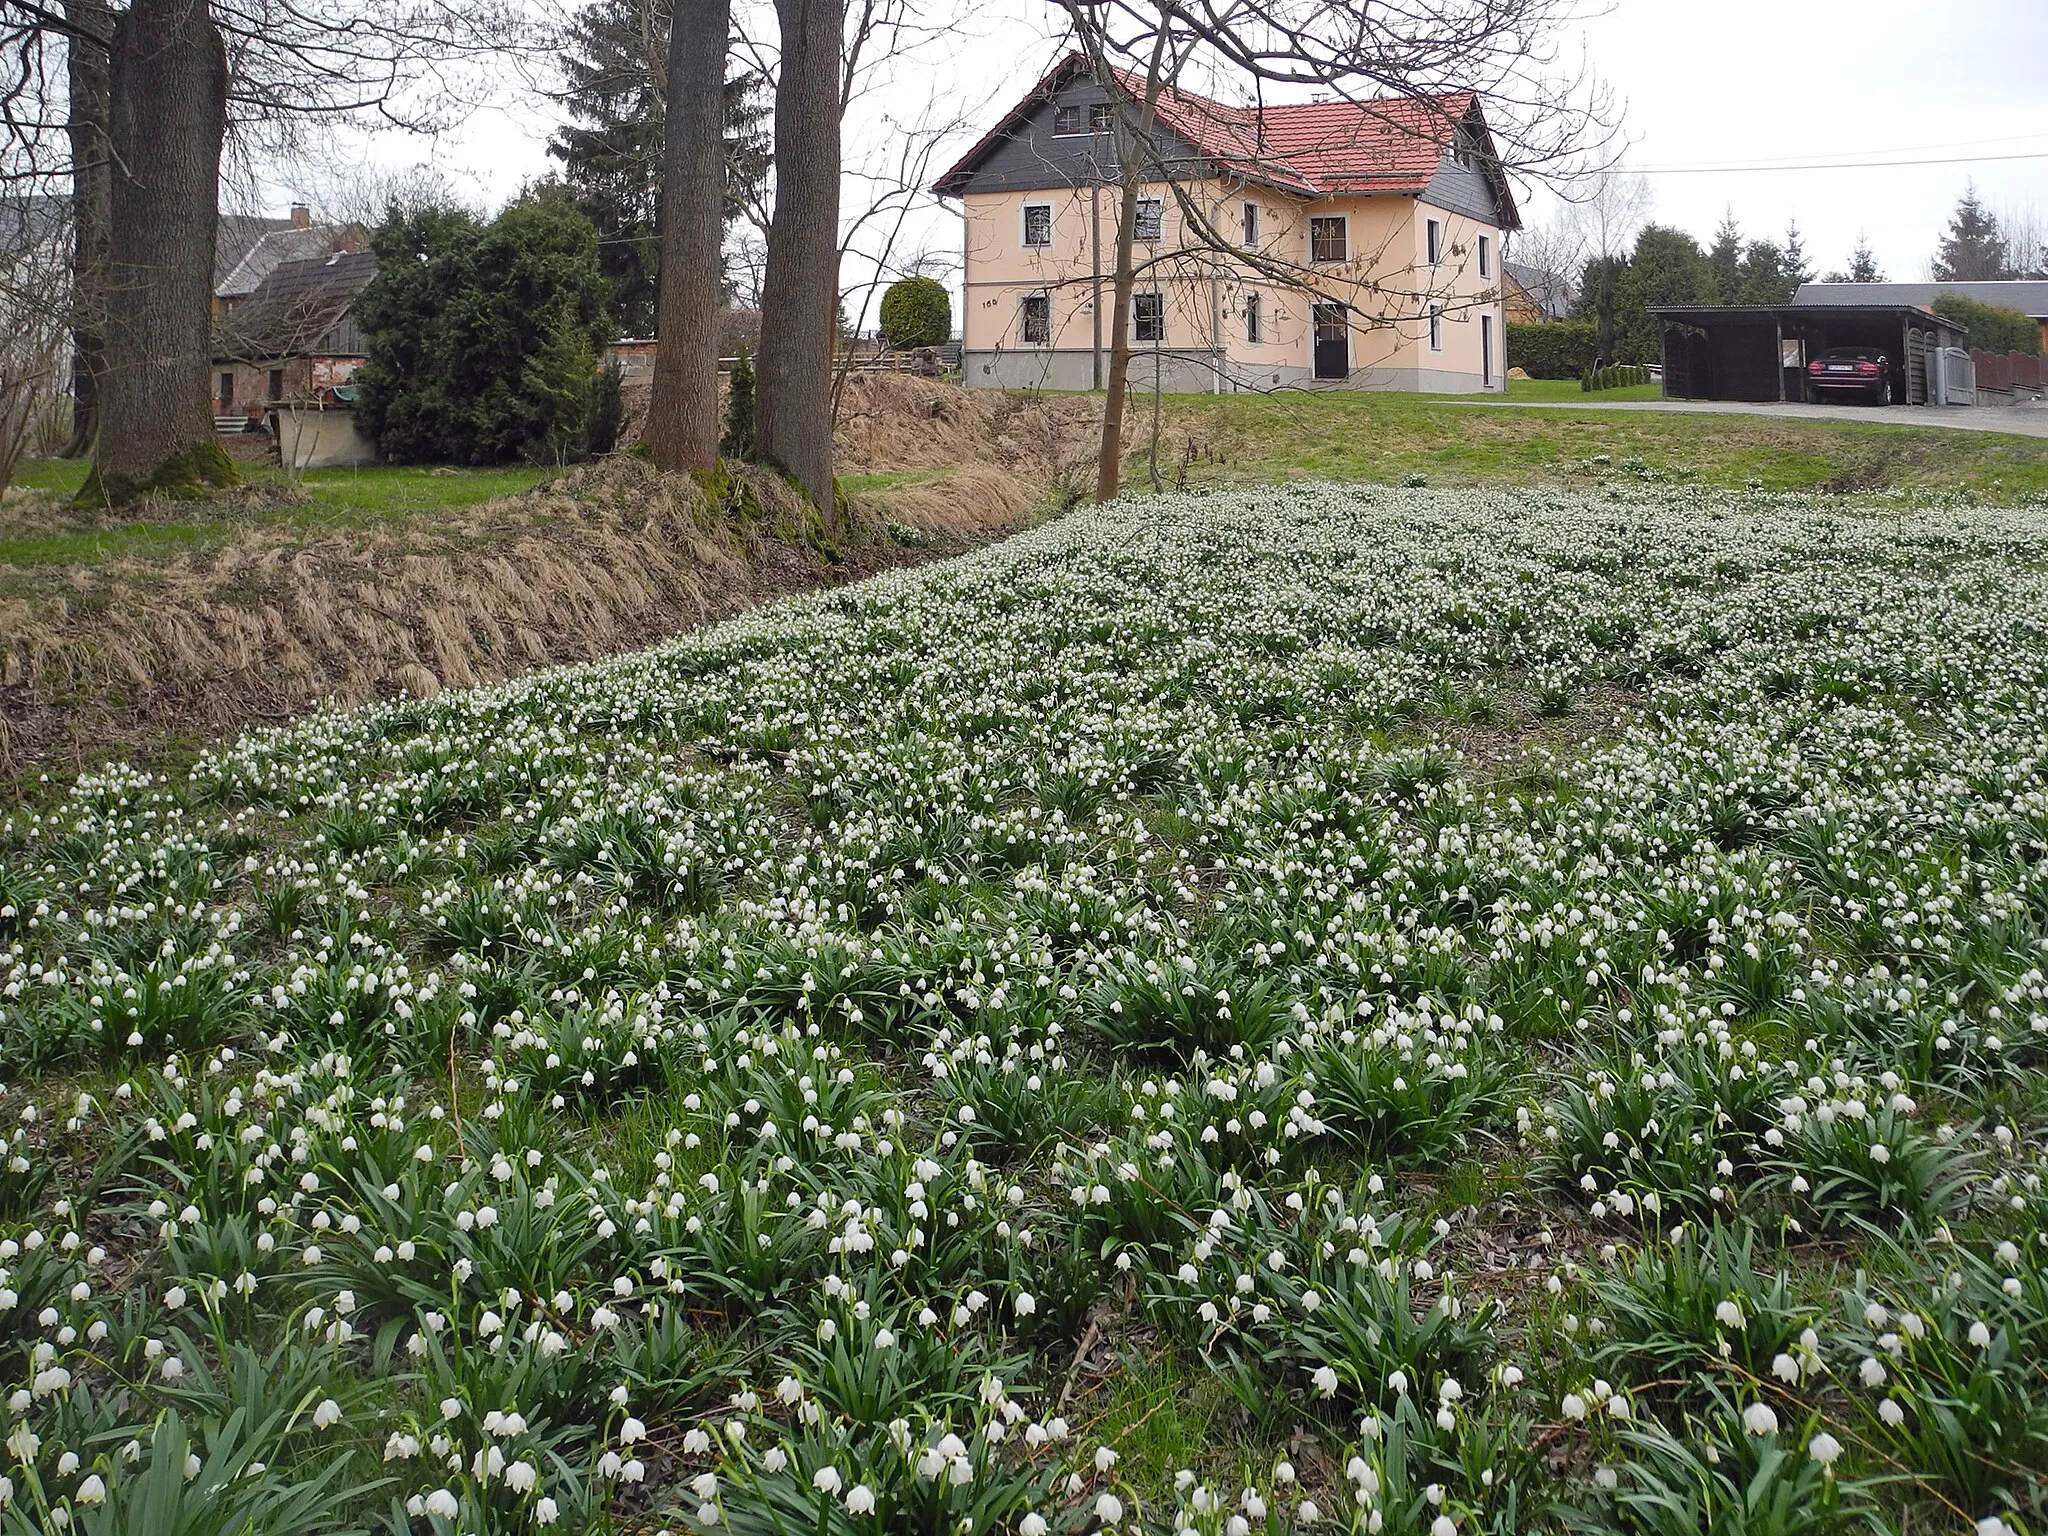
(2020,420)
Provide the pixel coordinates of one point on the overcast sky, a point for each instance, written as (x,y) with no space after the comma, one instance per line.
(1848,85)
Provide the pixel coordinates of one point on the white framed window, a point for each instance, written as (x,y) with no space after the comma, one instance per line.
(1151,220)
(1078,119)
(1486,351)
(1436,327)
(1034,319)
(1038,224)
(1329,238)
(1435,241)
(1251,225)
(1254,318)
(1485,256)
(1148,317)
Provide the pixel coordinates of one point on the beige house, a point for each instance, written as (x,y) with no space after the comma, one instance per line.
(1333,244)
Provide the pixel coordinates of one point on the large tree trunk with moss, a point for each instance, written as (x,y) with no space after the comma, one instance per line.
(92,192)
(169,84)
(800,295)
(682,415)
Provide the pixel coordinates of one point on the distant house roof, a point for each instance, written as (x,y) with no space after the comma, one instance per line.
(32,221)
(271,250)
(301,309)
(2028,297)
(234,235)
(1313,149)
(1550,292)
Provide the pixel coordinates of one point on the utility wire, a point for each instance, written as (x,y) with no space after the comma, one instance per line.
(1816,165)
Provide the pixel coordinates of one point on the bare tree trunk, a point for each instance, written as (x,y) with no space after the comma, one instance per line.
(682,415)
(1132,159)
(169,83)
(1109,451)
(92,191)
(800,298)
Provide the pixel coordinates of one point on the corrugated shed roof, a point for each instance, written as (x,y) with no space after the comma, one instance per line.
(1395,144)
(2027,296)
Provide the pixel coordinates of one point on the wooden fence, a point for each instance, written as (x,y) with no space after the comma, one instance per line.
(2007,371)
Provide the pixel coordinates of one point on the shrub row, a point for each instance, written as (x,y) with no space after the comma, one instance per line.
(1615,376)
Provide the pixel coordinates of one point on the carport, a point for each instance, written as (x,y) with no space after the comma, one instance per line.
(1760,351)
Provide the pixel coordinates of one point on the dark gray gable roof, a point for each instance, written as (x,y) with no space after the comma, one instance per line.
(2028,297)
(1023,154)
(1462,188)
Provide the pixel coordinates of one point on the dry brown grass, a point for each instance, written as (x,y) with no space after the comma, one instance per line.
(134,654)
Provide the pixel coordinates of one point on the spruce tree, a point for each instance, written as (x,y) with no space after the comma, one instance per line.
(615,59)
(1973,250)
(1796,269)
(1863,267)
(1724,260)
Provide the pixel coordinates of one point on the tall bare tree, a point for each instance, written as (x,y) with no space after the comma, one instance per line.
(800,295)
(169,88)
(682,414)
(246,76)
(92,196)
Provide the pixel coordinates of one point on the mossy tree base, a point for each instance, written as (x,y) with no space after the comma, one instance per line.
(197,472)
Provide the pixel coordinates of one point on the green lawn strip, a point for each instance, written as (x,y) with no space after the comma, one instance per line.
(1391,438)
(331,500)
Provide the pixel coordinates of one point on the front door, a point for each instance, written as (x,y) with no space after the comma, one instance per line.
(1332,341)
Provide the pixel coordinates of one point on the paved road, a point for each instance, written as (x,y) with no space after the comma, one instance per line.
(2023,421)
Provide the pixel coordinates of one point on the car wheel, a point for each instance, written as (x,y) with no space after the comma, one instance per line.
(1884,393)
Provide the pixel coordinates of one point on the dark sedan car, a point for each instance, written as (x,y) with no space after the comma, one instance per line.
(1864,371)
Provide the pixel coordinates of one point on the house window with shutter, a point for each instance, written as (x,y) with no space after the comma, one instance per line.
(1038,224)
(1327,238)
(1148,317)
(1151,220)
(1036,326)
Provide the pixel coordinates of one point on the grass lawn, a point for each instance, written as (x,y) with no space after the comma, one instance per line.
(1567,390)
(327,500)
(1392,438)
(1510,1012)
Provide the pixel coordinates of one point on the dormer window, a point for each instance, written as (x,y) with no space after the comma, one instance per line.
(1078,119)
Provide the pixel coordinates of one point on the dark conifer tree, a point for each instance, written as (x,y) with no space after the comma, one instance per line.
(1973,250)
(615,56)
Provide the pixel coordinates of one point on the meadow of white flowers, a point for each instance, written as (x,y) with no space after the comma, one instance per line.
(1535,1004)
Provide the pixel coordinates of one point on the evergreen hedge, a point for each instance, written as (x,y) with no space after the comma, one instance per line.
(1992,327)
(483,339)
(1554,349)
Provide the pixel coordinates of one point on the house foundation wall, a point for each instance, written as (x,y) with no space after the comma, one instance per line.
(1201,373)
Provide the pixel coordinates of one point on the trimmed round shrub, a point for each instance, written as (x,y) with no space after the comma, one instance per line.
(917,312)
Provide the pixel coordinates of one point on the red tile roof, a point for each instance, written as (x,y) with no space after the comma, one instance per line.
(1391,144)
